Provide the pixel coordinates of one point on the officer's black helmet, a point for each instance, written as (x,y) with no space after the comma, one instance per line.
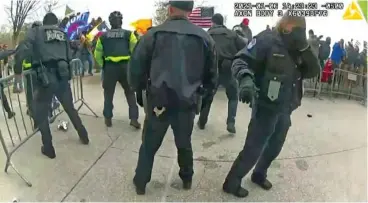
(36,24)
(115,18)
(50,19)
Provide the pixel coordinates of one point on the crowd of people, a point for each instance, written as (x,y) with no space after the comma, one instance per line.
(82,47)
(347,56)
(173,71)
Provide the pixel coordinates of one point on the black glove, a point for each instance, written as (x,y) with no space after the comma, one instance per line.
(299,36)
(247,90)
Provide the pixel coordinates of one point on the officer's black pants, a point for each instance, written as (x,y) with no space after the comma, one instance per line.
(42,99)
(266,135)
(231,88)
(181,121)
(4,100)
(113,73)
(31,81)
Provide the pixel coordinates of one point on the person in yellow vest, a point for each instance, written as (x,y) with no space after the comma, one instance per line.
(112,53)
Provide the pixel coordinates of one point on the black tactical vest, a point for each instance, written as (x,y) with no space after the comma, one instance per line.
(50,45)
(281,82)
(115,42)
(174,73)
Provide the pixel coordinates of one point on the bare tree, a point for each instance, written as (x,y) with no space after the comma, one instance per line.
(51,5)
(18,11)
(160,13)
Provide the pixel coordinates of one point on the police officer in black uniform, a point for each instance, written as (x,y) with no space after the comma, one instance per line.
(26,64)
(172,62)
(228,43)
(113,50)
(51,54)
(275,62)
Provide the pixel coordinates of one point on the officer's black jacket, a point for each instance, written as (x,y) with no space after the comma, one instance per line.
(19,56)
(177,54)
(266,59)
(228,43)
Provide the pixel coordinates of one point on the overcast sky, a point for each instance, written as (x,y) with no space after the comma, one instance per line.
(333,26)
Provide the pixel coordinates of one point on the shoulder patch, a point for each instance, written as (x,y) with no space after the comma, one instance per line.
(252,43)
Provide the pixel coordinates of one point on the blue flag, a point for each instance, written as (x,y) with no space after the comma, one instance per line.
(76,25)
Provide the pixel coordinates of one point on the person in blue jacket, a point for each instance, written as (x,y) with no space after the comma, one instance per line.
(337,54)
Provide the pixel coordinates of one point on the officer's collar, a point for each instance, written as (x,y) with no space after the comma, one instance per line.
(177,18)
(218,26)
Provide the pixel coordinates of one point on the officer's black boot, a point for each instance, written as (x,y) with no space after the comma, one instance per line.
(83,136)
(11,115)
(201,125)
(231,128)
(135,124)
(139,189)
(48,151)
(187,184)
(108,122)
(260,180)
(238,192)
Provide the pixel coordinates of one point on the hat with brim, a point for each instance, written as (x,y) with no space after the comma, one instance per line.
(182,5)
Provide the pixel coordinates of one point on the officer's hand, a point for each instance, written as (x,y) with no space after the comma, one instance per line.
(300,37)
(247,90)
(18,86)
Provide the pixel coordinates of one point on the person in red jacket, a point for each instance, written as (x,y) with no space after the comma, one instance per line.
(327,72)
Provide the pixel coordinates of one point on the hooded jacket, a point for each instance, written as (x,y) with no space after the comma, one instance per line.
(325,49)
(337,53)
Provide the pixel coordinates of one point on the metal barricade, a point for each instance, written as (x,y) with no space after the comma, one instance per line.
(348,83)
(340,82)
(313,85)
(20,126)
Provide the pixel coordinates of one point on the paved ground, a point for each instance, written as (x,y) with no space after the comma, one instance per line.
(324,158)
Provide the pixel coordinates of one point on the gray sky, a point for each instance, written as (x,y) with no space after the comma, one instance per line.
(333,25)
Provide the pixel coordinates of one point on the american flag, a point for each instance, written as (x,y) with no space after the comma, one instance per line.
(201,16)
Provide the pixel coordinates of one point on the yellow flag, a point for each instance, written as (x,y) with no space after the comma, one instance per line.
(91,35)
(142,25)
